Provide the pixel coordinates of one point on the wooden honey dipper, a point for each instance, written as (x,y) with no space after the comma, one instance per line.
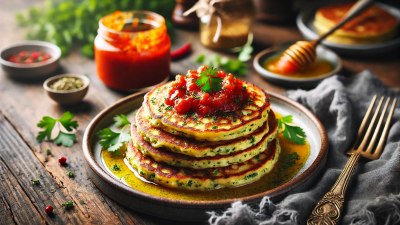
(302,53)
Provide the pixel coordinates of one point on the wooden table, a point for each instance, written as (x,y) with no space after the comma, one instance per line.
(23,104)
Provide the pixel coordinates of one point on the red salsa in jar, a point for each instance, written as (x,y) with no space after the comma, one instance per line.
(207,91)
(132,50)
(27,57)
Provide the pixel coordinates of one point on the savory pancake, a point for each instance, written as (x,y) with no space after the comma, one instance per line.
(373,25)
(211,128)
(161,139)
(206,179)
(175,159)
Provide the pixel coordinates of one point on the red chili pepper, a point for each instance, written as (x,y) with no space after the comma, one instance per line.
(181,52)
(62,160)
(49,209)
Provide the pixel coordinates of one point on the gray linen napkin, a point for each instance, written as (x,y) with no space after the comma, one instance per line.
(373,196)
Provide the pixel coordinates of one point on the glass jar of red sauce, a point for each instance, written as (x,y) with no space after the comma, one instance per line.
(132,50)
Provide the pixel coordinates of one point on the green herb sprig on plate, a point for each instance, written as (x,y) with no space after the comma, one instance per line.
(114,140)
(291,132)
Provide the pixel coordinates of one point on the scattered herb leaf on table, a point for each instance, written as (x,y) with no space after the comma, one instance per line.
(66,121)
(237,66)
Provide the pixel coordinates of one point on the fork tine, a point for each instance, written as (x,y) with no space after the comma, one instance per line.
(378,126)
(371,124)
(385,131)
(364,121)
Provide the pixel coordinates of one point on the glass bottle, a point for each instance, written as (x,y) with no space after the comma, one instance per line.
(227,25)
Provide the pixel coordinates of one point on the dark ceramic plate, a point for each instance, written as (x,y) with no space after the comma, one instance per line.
(304,23)
(184,210)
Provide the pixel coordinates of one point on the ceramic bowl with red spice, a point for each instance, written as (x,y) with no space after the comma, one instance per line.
(29,60)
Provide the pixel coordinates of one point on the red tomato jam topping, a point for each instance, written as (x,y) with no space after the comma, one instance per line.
(27,57)
(207,91)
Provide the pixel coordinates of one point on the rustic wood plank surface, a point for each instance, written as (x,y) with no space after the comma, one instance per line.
(24,103)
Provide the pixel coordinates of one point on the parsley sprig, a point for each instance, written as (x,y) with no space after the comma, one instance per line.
(209,80)
(66,126)
(291,132)
(245,53)
(114,140)
(236,66)
(121,120)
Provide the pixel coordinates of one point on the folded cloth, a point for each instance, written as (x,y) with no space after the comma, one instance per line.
(373,196)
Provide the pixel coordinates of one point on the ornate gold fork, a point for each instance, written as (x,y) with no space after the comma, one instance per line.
(329,207)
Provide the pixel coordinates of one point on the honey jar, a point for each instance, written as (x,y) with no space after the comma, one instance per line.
(224,24)
(132,50)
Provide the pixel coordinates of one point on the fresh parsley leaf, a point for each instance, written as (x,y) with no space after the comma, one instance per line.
(295,134)
(113,141)
(108,137)
(292,133)
(245,53)
(122,140)
(121,120)
(209,81)
(286,119)
(234,66)
(65,139)
(67,122)
(201,58)
(48,123)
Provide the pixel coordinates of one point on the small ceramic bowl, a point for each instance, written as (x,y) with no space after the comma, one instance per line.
(70,96)
(31,71)
(296,82)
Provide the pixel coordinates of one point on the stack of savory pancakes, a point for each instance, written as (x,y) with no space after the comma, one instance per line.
(372,26)
(196,152)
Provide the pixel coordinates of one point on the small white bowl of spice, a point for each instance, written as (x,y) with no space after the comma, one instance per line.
(67,89)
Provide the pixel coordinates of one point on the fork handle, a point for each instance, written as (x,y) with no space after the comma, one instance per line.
(330,206)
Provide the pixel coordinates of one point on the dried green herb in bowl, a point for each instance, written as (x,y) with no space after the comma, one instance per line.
(67,84)
(67,89)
